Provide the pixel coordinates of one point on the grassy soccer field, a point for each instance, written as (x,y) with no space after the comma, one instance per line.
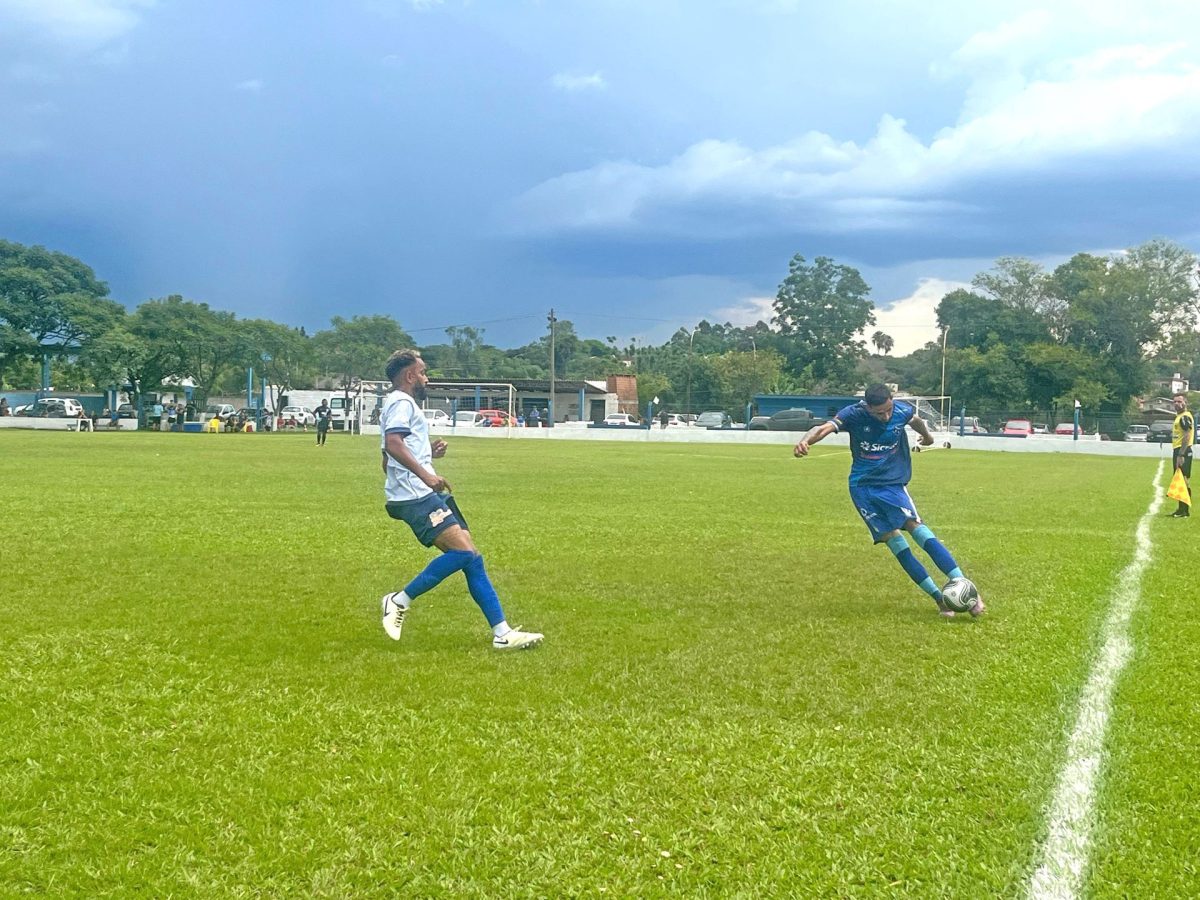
(737,695)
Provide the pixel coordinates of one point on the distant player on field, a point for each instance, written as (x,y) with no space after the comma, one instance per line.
(421,498)
(879,476)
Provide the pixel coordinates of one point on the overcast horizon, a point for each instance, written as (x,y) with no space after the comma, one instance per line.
(637,167)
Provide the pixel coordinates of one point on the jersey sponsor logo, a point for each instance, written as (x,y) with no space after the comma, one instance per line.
(438,516)
(871,447)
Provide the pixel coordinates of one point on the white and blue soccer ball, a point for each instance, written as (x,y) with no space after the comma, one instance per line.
(960,594)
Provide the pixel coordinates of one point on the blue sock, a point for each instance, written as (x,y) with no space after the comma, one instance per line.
(910,564)
(482,591)
(439,569)
(940,555)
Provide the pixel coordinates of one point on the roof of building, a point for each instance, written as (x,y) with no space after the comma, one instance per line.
(561,385)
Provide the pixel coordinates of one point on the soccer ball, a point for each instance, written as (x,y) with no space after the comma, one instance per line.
(960,594)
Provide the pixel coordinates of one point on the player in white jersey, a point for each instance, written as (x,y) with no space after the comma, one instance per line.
(420,497)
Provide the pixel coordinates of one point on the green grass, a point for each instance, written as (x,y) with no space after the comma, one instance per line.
(737,696)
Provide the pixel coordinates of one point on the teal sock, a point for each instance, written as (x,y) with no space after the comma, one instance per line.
(910,564)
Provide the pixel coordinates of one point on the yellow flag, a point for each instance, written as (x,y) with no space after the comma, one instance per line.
(1178,489)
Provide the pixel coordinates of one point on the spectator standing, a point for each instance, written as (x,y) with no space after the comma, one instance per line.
(4,408)
(534,417)
(663,418)
(546,417)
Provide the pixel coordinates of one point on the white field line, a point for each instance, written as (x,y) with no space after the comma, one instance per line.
(1065,854)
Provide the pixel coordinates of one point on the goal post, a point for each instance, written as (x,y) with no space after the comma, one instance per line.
(936,410)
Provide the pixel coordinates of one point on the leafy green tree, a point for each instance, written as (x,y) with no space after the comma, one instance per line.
(1052,371)
(988,383)
(823,308)
(49,302)
(981,322)
(649,386)
(1018,283)
(358,348)
(740,376)
(283,356)
(465,343)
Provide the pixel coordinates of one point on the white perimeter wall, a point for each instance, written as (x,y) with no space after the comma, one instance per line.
(574,431)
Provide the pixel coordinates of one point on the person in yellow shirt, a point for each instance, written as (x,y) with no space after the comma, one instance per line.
(1183,435)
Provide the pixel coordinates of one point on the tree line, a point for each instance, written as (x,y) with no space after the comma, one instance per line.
(1098,329)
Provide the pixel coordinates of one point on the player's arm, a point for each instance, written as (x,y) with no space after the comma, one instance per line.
(917,424)
(395,447)
(815,434)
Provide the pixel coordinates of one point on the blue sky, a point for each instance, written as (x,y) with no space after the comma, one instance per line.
(637,166)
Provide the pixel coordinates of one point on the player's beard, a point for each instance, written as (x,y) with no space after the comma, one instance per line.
(419,393)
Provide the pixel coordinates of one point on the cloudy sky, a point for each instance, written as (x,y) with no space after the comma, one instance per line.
(636,164)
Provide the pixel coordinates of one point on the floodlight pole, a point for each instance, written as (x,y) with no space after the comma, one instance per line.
(691,338)
(942,399)
(552,320)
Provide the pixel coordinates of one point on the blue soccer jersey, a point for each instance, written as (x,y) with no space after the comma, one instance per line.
(880,450)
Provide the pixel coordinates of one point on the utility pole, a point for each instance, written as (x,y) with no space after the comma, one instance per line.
(552,320)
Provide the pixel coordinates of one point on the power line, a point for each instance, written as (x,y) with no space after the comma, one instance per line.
(473,324)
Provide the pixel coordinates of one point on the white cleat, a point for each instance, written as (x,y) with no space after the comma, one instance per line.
(517,640)
(393,615)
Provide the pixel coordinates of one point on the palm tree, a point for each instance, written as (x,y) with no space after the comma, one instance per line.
(883,342)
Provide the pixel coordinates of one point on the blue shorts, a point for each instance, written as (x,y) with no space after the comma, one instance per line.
(427,517)
(884,507)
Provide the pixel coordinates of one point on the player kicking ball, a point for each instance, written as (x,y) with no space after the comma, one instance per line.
(419,497)
(880,470)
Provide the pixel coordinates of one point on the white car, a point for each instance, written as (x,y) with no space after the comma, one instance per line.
(437,417)
(1140,433)
(619,419)
(302,414)
(54,408)
(468,418)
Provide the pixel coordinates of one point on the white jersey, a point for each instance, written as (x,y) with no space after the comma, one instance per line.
(401,415)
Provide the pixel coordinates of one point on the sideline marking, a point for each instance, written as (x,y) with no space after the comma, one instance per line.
(1065,854)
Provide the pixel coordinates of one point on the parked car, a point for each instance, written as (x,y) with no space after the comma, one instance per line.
(301,414)
(55,408)
(224,411)
(1066,428)
(437,417)
(1160,430)
(497,417)
(793,420)
(619,419)
(1138,433)
(1041,428)
(969,425)
(758,423)
(467,418)
(1017,427)
(677,420)
(126,411)
(712,420)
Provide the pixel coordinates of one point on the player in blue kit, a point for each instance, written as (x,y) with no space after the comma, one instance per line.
(879,476)
(419,497)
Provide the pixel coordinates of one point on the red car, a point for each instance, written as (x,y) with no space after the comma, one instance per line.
(1019,427)
(496,417)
